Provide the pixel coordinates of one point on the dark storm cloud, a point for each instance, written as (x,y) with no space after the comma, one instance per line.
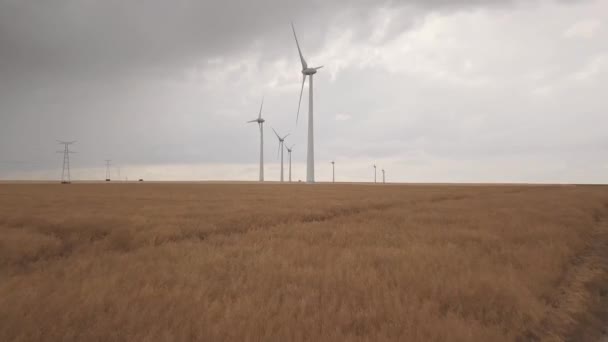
(65,37)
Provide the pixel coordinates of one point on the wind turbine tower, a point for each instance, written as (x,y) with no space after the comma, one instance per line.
(65,173)
(375,173)
(333,171)
(108,161)
(260,122)
(383,178)
(289,150)
(281,144)
(306,71)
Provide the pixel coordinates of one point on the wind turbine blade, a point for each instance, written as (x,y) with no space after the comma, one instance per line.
(317,68)
(254,120)
(286,136)
(277,134)
(260,116)
(300,102)
(304,65)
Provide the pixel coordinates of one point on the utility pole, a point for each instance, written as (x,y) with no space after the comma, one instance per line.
(108,161)
(65,173)
(333,171)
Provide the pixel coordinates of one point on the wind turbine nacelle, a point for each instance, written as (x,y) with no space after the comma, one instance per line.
(309,71)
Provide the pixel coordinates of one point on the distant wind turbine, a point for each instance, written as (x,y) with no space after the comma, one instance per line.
(306,71)
(375,173)
(260,122)
(333,171)
(289,150)
(281,144)
(108,163)
(383,178)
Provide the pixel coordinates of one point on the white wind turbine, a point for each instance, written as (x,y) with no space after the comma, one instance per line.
(260,122)
(289,150)
(281,144)
(333,171)
(374,173)
(306,71)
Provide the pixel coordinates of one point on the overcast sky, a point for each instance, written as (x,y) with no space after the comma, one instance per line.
(430,90)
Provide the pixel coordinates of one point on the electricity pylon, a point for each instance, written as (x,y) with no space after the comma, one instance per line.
(65,173)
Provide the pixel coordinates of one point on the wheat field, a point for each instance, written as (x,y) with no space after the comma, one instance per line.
(344,262)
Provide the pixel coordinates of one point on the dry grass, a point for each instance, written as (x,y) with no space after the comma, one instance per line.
(170,262)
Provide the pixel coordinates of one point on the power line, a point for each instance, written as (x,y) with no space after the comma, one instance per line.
(65,173)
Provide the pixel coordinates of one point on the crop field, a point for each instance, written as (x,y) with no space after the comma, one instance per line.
(249,262)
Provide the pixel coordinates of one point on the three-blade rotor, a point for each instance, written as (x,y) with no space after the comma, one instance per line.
(306,71)
(279,137)
(259,120)
(281,140)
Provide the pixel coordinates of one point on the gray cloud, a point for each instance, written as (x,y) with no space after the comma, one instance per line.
(96,37)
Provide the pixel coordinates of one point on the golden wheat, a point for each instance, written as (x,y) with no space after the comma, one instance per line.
(178,262)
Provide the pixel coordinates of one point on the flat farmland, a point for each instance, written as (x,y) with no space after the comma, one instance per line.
(250,262)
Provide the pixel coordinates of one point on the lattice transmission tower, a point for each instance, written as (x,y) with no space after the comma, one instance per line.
(65,173)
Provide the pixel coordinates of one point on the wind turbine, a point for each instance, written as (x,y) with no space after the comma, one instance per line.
(383,178)
(306,71)
(289,149)
(281,144)
(374,173)
(108,162)
(260,122)
(333,171)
